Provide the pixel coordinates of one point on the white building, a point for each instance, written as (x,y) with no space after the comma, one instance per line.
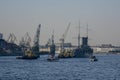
(104,48)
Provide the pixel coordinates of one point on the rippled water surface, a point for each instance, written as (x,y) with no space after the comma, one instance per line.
(106,68)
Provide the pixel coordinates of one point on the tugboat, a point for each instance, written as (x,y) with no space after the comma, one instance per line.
(52,59)
(93,58)
(63,52)
(28,55)
(34,53)
(84,50)
(66,54)
(51,56)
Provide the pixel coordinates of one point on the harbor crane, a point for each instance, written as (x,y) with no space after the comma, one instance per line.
(35,47)
(34,52)
(25,41)
(63,38)
(49,42)
(12,38)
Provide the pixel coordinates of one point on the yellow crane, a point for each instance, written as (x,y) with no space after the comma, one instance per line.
(62,39)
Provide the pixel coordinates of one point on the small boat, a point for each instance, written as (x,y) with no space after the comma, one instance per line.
(52,59)
(51,55)
(93,58)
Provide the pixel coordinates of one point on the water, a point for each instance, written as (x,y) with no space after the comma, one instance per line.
(106,68)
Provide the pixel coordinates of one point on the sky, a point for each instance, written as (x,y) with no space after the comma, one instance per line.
(102,17)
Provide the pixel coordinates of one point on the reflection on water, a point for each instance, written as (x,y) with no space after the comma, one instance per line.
(106,68)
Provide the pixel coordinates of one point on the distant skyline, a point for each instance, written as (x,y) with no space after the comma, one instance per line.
(102,16)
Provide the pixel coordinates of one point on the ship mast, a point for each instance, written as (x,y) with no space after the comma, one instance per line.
(79,36)
(52,46)
(53,38)
(87,31)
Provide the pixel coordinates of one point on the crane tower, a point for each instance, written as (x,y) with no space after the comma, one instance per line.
(63,37)
(35,47)
(12,38)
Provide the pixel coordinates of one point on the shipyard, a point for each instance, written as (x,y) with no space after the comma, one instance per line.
(24,46)
(59,40)
(62,49)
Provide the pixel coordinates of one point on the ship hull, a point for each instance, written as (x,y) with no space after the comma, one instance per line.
(53,59)
(77,53)
(27,57)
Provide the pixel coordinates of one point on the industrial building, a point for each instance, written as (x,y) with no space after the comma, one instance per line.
(106,48)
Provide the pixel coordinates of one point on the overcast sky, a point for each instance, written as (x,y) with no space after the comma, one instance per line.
(102,16)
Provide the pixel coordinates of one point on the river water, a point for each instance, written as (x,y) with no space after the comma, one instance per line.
(106,68)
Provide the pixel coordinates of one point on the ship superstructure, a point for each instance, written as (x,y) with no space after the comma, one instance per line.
(82,51)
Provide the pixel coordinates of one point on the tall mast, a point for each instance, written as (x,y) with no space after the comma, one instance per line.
(79,36)
(52,46)
(53,38)
(87,31)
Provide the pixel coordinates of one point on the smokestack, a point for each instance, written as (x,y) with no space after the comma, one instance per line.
(84,41)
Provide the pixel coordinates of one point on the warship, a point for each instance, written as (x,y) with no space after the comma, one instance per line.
(85,51)
(82,51)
